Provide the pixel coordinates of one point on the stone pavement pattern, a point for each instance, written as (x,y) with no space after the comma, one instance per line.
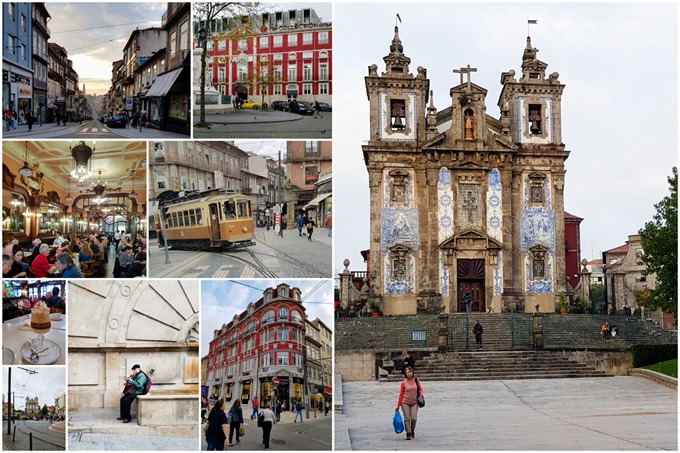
(312,434)
(614,413)
(43,437)
(89,130)
(304,127)
(124,442)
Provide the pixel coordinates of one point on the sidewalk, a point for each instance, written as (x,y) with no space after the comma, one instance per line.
(47,130)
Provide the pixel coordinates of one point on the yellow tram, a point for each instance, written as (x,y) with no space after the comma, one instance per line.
(208,220)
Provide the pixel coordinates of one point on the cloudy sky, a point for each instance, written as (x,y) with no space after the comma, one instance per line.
(221,300)
(618,61)
(47,385)
(94,35)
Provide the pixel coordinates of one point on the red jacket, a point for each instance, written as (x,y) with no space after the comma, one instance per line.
(401,391)
(40,266)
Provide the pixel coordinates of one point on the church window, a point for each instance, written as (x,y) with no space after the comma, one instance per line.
(469,206)
(535,119)
(398,187)
(537,189)
(538,265)
(397,114)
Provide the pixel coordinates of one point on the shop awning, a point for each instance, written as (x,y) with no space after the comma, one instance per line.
(317,200)
(163,83)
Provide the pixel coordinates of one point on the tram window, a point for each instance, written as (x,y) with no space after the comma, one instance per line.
(230,209)
(192,214)
(199,217)
(243,208)
(180,219)
(174,220)
(186,218)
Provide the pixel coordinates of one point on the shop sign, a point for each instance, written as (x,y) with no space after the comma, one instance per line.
(24,91)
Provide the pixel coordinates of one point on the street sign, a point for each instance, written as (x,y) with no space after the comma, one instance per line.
(277,209)
(276,381)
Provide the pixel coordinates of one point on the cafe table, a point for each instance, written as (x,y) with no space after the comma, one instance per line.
(17,332)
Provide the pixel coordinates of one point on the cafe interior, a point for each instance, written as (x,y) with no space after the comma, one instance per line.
(74,191)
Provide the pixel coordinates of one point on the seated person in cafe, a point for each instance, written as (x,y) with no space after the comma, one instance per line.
(6,264)
(19,268)
(62,248)
(67,267)
(125,259)
(9,246)
(86,253)
(55,302)
(138,267)
(36,249)
(41,267)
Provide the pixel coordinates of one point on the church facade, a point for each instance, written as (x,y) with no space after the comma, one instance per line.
(467,210)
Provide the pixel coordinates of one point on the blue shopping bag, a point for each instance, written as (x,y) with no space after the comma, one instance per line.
(398,423)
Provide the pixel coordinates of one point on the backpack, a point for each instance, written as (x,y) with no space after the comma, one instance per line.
(147,384)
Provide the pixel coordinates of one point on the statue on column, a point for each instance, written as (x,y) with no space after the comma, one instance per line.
(469,125)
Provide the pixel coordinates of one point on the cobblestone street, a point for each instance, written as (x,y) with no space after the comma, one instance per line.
(290,256)
(44,438)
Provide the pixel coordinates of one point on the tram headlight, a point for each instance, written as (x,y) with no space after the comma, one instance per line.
(244,229)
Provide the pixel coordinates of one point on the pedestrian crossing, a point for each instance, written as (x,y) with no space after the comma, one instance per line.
(95,129)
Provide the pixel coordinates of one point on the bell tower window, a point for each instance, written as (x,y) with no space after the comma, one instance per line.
(397,114)
(535,119)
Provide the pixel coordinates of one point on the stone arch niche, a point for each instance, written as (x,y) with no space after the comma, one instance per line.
(116,324)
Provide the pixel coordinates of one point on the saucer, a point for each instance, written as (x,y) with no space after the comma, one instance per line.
(50,353)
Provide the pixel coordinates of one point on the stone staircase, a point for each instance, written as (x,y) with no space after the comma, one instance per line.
(502,332)
(487,365)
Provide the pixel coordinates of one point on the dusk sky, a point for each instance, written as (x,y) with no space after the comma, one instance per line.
(221,300)
(619,62)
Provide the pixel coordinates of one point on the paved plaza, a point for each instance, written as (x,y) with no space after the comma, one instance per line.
(44,436)
(613,413)
(270,124)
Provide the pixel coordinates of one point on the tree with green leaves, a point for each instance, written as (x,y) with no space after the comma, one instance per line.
(207,14)
(659,240)
(43,411)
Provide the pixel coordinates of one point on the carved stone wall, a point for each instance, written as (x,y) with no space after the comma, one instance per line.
(116,324)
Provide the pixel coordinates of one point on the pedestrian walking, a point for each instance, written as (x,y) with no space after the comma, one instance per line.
(299,222)
(409,392)
(266,420)
(14,118)
(317,107)
(409,362)
(256,405)
(279,407)
(326,407)
(205,407)
(478,330)
(298,411)
(328,223)
(58,117)
(235,422)
(216,431)
(310,229)
(30,119)
(7,115)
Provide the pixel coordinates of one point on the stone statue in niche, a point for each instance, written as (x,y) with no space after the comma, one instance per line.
(469,125)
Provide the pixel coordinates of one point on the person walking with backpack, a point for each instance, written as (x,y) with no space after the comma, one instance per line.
(235,422)
(298,411)
(137,383)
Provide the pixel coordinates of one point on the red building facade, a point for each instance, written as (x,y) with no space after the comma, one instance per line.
(572,247)
(263,344)
(274,57)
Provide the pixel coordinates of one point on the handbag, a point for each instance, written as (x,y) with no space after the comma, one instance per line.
(421,399)
(205,428)
(242,431)
(260,420)
(398,422)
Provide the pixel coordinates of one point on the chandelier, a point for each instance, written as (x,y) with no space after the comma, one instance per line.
(99,189)
(26,170)
(82,164)
(133,195)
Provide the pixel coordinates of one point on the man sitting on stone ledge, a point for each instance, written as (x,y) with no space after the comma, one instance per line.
(134,385)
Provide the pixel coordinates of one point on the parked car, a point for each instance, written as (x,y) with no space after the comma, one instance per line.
(280,105)
(250,105)
(117,121)
(325,107)
(301,108)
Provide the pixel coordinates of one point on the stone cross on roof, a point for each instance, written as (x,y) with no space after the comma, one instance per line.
(468,70)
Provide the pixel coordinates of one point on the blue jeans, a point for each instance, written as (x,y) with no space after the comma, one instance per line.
(296,415)
(212,446)
(254,414)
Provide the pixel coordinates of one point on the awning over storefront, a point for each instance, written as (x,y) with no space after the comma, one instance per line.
(317,200)
(163,83)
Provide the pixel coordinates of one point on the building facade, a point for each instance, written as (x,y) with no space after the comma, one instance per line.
(305,162)
(17,57)
(467,210)
(276,56)
(32,408)
(141,46)
(260,352)
(41,59)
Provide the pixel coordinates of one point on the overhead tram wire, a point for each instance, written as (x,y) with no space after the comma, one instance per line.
(104,26)
(96,44)
(260,289)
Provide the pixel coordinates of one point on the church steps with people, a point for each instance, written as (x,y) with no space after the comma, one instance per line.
(486,365)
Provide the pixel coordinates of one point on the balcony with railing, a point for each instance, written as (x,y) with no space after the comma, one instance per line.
(281,319)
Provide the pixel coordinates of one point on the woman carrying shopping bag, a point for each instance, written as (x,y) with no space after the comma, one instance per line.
(409,395)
